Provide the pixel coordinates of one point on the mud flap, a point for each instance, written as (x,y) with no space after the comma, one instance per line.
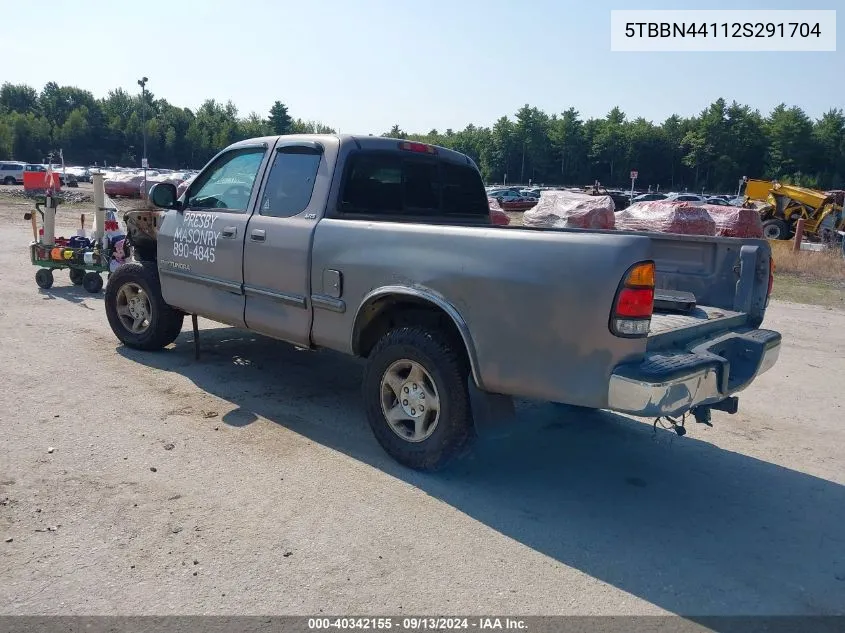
(493,414)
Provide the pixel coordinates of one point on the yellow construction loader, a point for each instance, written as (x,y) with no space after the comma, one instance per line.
(786,204)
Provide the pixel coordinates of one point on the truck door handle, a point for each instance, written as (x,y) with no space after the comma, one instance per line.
(257,235)
(229,231)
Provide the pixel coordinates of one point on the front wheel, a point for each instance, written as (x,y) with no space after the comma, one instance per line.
(137,313)
(92,282)
(776,229)
(415,394)
(44,278)
(9,181)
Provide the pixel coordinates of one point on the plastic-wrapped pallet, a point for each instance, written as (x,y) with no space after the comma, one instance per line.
(494,204)
(685,218)
(498,215)
(735,221)
(571,210)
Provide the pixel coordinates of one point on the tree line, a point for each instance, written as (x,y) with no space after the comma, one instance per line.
(711,150)
(109,131)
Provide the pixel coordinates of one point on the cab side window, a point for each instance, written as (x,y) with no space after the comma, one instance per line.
(291,181)
(227,183)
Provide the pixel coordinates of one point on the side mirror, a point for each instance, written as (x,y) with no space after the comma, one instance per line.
(163,195)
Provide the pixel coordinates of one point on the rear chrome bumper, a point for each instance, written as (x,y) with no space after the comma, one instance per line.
(671,383)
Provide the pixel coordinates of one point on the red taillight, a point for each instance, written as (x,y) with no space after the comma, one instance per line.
(635,303)
(420,148)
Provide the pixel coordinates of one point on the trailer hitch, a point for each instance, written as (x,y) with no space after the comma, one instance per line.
(702,415)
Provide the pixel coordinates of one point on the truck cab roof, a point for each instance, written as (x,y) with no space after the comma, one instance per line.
(362,142)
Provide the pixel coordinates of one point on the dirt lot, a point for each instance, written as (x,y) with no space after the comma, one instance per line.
(248,482)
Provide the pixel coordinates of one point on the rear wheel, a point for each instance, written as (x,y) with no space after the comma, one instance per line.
(415,394)
(76,276)
(8,180)
(137,313)
(776,229)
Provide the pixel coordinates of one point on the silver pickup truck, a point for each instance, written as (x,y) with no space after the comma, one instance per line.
(384,249)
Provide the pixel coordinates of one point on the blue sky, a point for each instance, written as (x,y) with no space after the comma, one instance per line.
(363,66)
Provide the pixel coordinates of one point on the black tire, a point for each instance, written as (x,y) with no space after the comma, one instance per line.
(76,276)
(776,229)
(44,278)
(92,282)
(164,323)
(9,181)
(448,370)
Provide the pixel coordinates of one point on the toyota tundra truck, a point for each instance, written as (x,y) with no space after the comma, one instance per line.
(384,249)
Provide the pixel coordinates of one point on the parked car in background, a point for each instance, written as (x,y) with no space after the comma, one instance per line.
(717,200)
(66,179)
(648,197)
(11,173)
(82,174)
(510,196)
(684,197)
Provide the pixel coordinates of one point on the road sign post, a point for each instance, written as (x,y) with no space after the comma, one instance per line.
(634,175)
(742,181)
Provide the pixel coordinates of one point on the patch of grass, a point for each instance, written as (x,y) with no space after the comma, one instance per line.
(797,289)
(814,266)
(813,277)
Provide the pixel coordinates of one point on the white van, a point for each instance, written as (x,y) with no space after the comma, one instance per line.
(11,173)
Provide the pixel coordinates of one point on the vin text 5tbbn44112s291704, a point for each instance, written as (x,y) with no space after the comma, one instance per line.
(385,249)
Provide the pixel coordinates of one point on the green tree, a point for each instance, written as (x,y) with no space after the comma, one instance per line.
(568,143)
(7,139)
(747,145)
(829,138)
(18,98)
(31,137)
(73,137)
(609,148)
(280,120)
(310,127)
(254,126)
(395,132)
(791,146)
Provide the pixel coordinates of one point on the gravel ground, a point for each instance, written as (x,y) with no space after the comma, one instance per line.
(84,193)
(249,483)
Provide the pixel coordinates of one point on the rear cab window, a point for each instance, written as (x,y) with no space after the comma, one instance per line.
(396,186)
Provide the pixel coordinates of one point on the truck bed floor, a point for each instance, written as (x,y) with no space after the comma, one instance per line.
(662,322)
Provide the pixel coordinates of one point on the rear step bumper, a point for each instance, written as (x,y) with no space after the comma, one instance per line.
(673,382)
